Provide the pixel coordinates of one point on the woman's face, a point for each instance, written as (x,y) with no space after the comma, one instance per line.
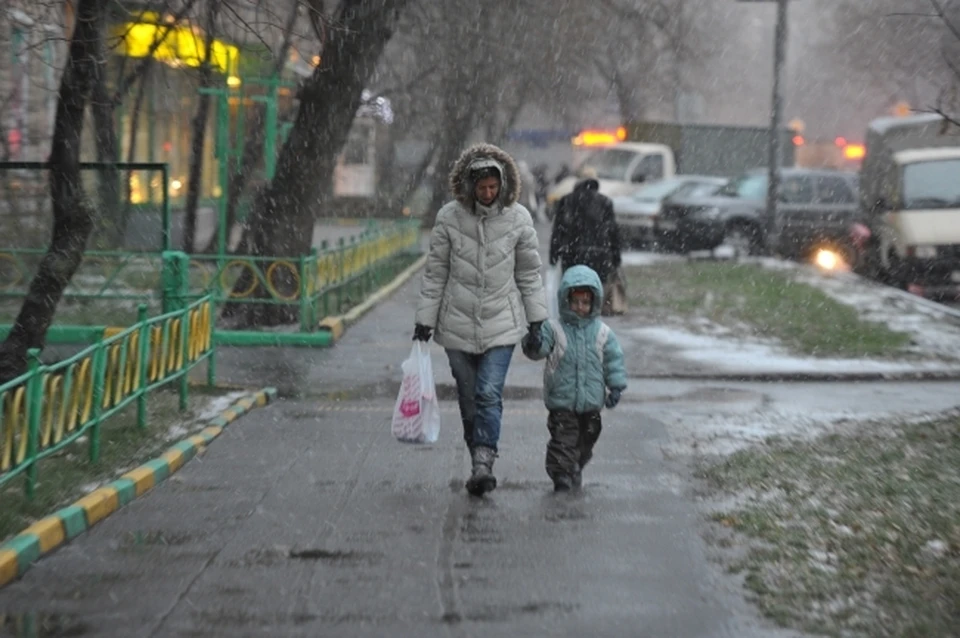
(487,190)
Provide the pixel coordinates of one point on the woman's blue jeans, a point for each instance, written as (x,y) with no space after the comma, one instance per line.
(480,379)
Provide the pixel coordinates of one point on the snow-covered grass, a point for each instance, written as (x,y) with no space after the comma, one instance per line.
(748,303)
(850,534)
(840,514)
(727,352)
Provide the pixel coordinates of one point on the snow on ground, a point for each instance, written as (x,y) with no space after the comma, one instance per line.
(210,411)
(735,355)
(701,420)
(934,329)
(647,259)
(759,410)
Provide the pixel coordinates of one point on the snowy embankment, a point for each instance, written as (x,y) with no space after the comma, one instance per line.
(934,330)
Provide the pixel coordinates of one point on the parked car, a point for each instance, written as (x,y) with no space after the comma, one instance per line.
(638,213)
(815,206)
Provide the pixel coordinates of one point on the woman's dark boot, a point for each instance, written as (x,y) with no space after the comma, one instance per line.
(481,478)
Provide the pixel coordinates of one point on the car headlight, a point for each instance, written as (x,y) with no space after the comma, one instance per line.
(709,213)
(925,252)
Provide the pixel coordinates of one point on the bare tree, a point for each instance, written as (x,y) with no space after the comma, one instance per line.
(72,213)
(282,219)
(894,43)
(199,132)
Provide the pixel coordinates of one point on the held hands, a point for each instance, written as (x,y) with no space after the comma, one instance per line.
(533,339)
(422,332)
(613,398)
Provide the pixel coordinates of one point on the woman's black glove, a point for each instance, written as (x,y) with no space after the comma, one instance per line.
(533,340)
(422,332)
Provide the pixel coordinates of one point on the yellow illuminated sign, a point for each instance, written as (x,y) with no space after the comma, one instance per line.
(591,137)
(854,151)
(179,45)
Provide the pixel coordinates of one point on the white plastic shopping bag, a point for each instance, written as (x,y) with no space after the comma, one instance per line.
(416,416)
(550,287)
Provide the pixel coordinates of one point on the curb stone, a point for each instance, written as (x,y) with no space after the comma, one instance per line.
(50,532)
(338,324)
(807,377)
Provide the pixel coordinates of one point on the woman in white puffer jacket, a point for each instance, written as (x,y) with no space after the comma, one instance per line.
(481,293)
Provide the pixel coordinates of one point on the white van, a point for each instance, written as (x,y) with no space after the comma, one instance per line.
(910,197)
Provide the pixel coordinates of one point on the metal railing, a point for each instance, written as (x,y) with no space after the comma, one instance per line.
(51,406)
(327,281)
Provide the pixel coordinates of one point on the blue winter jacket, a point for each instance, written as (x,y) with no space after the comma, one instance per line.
(583,355)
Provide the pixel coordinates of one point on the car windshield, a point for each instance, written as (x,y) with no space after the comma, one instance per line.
(752,186)
(696,189)
(610,163)
(934,184)
(656,191)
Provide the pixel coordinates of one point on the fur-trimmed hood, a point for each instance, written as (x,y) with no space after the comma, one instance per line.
(485,156)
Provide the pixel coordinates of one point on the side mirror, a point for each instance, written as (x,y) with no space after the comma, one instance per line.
(638,178)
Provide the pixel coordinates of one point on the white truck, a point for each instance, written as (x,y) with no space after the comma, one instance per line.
(619,168)
(910,201)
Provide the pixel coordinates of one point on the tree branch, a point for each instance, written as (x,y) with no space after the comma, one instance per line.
(939,111)
(124,86)
(942,14)
(408,86)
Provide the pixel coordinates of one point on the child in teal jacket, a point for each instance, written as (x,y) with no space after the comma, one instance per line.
(584,361)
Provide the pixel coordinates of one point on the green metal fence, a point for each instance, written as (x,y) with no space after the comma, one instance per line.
(327,281)
(51,406)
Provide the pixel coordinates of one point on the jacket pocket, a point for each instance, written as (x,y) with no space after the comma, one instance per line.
(444,310)
(515,310)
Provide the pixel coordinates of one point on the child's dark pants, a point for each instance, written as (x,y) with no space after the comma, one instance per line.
(572,437)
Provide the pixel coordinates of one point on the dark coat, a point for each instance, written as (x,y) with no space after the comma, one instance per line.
(585,231)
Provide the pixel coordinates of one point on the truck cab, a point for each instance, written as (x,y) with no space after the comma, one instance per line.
(619,168)
(910,197)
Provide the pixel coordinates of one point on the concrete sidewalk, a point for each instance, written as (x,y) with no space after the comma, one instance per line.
(306,518)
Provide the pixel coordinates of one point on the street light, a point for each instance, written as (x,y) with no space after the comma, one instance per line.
(779,53)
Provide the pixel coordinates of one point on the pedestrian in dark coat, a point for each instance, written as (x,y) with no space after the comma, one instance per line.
(585,231)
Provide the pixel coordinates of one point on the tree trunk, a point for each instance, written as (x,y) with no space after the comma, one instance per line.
(134,125)
(199,134)
(416,179)
(282,220)
(110,220)
(457,126)
(72,213)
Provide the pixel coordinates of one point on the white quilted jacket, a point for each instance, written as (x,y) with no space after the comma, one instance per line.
(482,283)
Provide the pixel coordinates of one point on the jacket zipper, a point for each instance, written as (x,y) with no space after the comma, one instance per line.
(483,265)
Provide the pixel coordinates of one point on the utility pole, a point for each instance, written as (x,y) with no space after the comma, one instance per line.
(776,139)
(776,119)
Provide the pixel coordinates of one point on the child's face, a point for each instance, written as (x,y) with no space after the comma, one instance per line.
(581,301)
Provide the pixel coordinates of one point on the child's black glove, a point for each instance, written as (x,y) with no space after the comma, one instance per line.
(613,398)
(422,332)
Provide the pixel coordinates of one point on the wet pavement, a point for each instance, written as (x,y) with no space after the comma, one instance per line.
(306,518)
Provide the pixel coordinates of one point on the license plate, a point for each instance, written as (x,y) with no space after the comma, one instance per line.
(955,276)
(666,225)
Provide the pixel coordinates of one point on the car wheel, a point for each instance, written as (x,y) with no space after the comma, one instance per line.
(743,237)
(896,273)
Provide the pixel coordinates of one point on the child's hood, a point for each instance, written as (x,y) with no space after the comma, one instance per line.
(579,277)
